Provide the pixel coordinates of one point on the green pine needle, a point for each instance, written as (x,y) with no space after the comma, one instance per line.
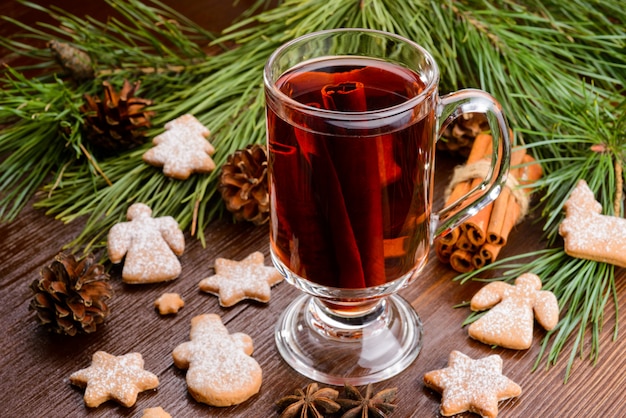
(586,141)
(558,68)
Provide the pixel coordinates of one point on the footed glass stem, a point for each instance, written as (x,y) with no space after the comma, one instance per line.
(357,346)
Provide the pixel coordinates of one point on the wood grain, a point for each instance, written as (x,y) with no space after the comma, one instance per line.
(35,366)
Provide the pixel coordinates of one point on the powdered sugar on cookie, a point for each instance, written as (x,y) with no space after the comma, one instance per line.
(220,369)
(514,308)
(471,385)
(150,246)
(182,149)
(120,378)
(237,280)
(590,235)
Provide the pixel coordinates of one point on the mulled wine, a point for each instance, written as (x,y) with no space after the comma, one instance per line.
(352,119)
(350,172)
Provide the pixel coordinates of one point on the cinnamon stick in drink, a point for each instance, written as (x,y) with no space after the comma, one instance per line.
(314,259)
(357,167)
(348,209)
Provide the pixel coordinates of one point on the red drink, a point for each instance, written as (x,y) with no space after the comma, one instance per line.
(352,118)
(350,190)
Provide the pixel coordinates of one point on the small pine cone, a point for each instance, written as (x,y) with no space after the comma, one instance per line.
(70,295)
(118,121)
(76,62)
(458,137)
(243,184)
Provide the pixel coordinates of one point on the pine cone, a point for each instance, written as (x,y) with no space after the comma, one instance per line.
(76,62)
(119,121)
(459,136)
(70,296)
(243,184)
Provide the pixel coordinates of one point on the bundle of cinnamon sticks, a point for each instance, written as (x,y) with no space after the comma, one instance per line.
(478,241)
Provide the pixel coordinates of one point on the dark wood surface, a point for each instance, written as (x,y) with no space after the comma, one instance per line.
(35,366)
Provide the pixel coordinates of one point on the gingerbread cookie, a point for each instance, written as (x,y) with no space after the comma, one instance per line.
(157,412)
(590,235)
(514,308)
(169,303)
(182,149)
(150,245)
(237,280)
(472,385)
(120,378)
(220,369)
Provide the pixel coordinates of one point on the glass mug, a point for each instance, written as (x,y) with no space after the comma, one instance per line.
(352,120)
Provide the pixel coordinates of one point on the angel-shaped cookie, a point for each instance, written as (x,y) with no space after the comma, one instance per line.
(182,149)
(514,307)
(220,369)
(151,246)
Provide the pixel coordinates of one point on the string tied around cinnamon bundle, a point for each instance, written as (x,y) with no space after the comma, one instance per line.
(478,240)
(480,169)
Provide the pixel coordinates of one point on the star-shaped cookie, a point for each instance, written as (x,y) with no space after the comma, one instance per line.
(237,280)
(472,385)
(169,303)
(120,378)
(156,412)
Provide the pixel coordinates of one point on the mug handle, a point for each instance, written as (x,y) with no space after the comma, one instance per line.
(450,107)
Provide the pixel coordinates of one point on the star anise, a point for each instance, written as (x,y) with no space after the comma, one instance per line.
(369,405)
(310,402)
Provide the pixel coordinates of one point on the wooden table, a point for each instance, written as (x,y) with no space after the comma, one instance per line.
(36,366)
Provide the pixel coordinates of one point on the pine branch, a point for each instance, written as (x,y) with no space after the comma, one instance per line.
(41,119)
(155,39)
(558,68)
(586,141)
(488,35)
